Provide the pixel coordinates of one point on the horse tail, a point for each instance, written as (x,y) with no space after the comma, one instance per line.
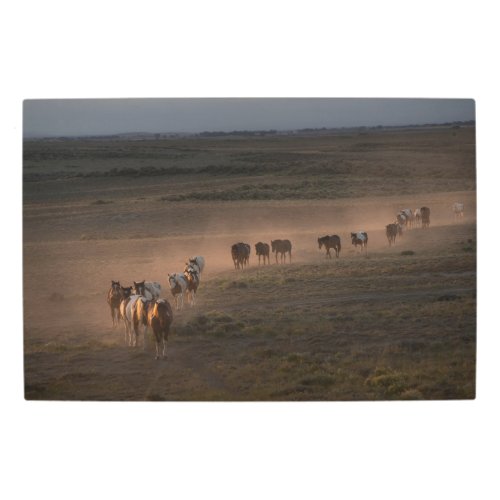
(154,313)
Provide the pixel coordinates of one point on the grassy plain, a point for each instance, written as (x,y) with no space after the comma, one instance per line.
(398,323)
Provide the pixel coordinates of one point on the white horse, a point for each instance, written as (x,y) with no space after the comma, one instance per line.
(178,286)
(458,210)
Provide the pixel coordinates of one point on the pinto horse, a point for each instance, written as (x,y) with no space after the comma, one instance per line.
(330,242)
(148,289)
(198,263)
(178,287)
(360,238)
(193,280)
(160,317)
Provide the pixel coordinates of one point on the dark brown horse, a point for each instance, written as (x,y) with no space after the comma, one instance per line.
(240,252)
(391,231)
(425,212)
(282,247)
(330,242)
(115,296)
(262,249)
(160,317)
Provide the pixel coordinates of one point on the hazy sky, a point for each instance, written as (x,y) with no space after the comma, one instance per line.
(107,116)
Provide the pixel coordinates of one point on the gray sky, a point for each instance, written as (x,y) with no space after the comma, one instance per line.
(108,116)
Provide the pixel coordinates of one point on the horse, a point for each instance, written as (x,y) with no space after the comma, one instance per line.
(193,282)
(160,317)
(197,262)
(410,217)
(240,252)
(360,238)
(330,242)
(140,317)
(391,231)
(282,247)
(262,249)
(178,286)
(426,216)
(126,310)
(149,289)
(402,219)
(458,211)
(114,298)
(418,217)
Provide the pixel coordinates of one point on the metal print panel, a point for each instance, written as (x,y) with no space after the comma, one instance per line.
(249,249)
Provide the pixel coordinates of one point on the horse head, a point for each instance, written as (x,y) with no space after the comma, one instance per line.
(172,280)
(139,287)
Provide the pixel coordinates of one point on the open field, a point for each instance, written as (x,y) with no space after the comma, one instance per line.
(398,323)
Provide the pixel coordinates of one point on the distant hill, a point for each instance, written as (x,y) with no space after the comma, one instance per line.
(149,136)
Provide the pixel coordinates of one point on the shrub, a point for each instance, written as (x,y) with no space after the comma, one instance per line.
(387,381)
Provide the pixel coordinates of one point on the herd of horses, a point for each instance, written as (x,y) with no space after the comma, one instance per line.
(140,306)
(407,219)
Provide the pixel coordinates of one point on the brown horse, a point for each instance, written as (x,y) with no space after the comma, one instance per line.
(330,242)
(193,282)
(140,310)
(160,317)
(240,252)
(391,231)
(115,296)
(426,216)
(282,247)
(262,249)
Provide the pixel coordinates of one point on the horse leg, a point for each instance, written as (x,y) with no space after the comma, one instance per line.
(164,346)
(157,347)
(126,331)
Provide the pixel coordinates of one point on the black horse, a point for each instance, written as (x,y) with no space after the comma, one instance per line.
(330,242)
